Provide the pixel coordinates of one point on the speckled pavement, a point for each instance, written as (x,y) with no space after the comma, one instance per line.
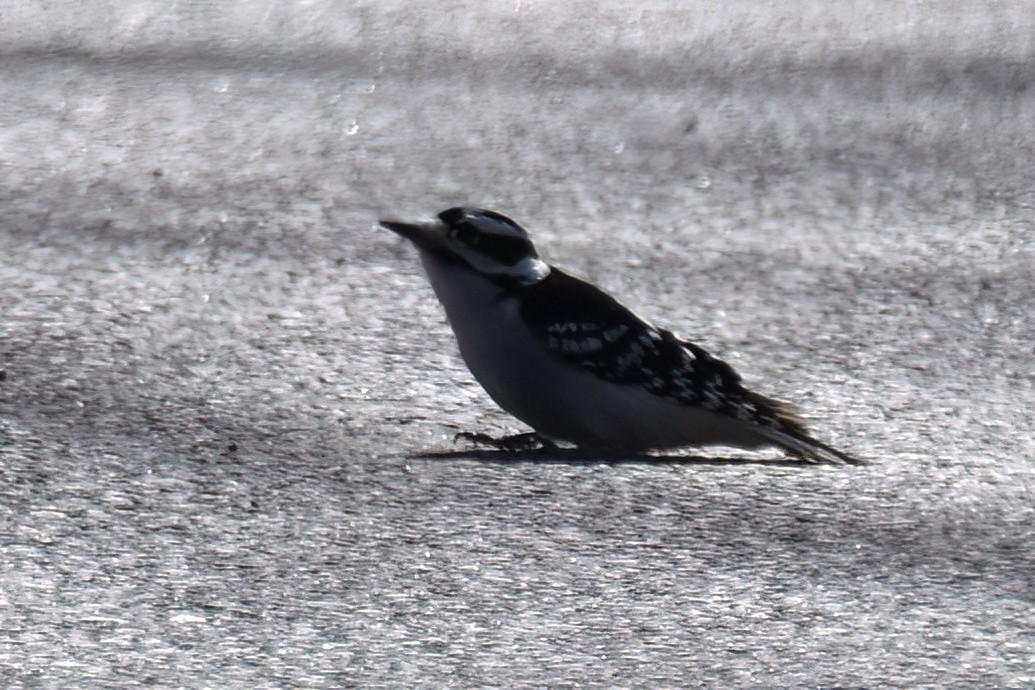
(228,399)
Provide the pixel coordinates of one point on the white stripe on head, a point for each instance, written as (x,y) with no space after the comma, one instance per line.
(493,244)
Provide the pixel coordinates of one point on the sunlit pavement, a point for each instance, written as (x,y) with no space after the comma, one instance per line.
(228,400)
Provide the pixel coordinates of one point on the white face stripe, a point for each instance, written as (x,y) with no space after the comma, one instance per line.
(528,270)
(495,247)
(531,270)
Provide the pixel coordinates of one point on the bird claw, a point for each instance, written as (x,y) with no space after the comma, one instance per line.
(516,442)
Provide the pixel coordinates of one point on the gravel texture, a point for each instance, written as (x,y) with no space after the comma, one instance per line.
(227,399)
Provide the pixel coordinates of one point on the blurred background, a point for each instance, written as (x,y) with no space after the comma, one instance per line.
(219,380)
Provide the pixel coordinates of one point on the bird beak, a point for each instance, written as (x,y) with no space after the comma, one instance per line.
(426,236)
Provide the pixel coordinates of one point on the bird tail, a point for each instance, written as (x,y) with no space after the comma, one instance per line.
(782,426)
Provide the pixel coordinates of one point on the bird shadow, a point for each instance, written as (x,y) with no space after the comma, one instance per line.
(564,456)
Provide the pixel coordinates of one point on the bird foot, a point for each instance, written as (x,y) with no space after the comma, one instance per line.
(516,442)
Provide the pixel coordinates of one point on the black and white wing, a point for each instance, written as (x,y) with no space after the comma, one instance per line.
(587,328)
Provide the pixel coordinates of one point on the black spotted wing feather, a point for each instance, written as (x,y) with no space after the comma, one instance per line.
(583,326)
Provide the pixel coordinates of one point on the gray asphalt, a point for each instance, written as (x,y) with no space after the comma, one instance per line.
(227,399)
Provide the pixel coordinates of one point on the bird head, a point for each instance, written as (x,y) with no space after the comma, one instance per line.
(484,241)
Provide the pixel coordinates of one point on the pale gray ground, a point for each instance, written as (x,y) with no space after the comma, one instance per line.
(219,376)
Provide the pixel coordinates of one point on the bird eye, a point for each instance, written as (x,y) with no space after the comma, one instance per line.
(471,238)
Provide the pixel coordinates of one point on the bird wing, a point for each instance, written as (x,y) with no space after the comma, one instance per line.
(585,327)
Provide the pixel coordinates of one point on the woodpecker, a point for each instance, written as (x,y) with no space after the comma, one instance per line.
(576,365)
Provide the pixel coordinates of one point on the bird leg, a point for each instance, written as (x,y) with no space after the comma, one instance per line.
(527,441)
